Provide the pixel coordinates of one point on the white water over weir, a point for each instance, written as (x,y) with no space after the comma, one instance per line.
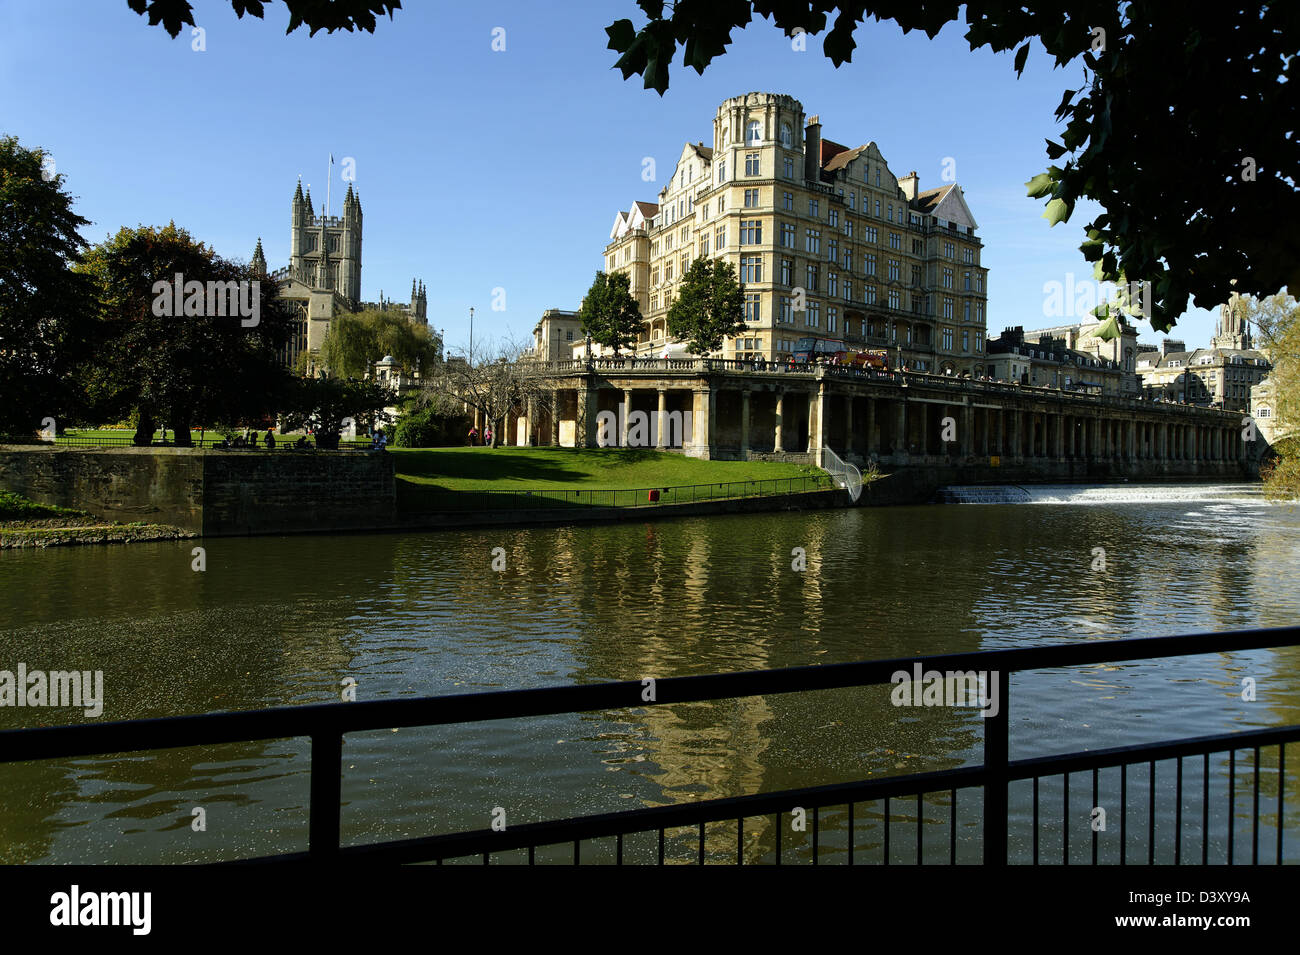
(1103,494)
(844,474)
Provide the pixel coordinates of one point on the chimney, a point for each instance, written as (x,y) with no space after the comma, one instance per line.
(1171,345)
(812,149)
(910,184)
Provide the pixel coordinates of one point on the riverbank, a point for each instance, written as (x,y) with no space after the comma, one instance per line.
(26,523)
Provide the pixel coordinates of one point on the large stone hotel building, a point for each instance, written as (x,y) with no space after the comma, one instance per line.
(827,241)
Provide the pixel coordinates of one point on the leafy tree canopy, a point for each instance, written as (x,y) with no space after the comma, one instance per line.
(355,342)
(41,300)
(609,313)
(316,15)
(710,306)
(1183,128)
(179,369)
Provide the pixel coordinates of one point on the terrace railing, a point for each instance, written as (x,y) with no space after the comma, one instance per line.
(986,785)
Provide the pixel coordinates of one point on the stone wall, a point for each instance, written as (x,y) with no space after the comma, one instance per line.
(210,492)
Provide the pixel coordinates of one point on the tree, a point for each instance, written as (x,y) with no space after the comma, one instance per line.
(1192,201)
(355,342)
(323,403)
(493,380)
(317,15)
(1278,320)
(180,358)
(41,300)
(709,307)
(609,313)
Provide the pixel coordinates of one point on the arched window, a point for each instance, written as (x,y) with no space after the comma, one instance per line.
(787,140)
(753,133)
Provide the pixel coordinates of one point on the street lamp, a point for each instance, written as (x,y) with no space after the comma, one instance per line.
(471,336)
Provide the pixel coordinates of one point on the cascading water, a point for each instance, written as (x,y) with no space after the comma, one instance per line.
(1103,494)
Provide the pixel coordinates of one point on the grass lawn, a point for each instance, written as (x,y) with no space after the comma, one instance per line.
(425,476)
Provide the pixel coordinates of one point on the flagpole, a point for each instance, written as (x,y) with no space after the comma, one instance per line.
(329,181)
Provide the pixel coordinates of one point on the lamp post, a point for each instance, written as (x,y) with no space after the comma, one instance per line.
(471,336)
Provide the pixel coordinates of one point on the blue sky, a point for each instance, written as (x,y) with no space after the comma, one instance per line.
(482,169)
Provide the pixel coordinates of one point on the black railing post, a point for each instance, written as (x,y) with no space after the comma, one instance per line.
(326,794)
(996,754)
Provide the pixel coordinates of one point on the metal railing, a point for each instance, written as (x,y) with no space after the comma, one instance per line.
(424,500)
(326,724)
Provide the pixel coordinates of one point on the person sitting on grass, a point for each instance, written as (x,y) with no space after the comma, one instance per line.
(270,440)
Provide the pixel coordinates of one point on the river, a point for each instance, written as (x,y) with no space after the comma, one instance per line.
(284,621)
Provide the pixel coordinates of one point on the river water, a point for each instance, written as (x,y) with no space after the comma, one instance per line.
(284,621)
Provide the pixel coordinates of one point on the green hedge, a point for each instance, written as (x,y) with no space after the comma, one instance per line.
(424,429)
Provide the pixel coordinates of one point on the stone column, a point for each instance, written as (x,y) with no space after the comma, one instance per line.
(780,421)
(1014,449)
(817,422)
(627,413)
(870,446)
(585,430)
(966,440)
(701,422)
(900,441)
(531,429)
(661,423)
(1059,443)
(848,423)
(555,418)
(744,424)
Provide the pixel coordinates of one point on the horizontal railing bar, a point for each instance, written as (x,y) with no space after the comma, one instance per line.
(289,721)
(600,826)
(1039,766)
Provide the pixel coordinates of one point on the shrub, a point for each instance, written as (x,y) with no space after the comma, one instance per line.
(425,429)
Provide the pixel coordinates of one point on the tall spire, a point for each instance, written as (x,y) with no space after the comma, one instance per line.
(259,259)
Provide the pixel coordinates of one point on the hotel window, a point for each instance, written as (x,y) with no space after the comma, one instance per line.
(814,208)
(979,312)
(787,272)
(869,265)
(966,280)
(848,290)
(832,284)
(872,233)
(722,204)
(833,250)
(893,298)
(753,133)
(813,273)
(668,242)
(917,248)
(968,256)
(877,183)
(877,206)
(654,276)
(752,307)
(908,336)
(813,241)
(853,200)
(832,320)
(722,171)
(848,227)
(751,232)
(866,173)
(751,164)
(965,339)
(894,270)
(979,341)
(869,294)
(979,283)
(787,200)
(751,198)
(948,250)
(789,168)
(891,212)
(916,276)
(813,318)
(947,339)
(721,237)
(686,233)
(947,278)
(966,311)
(668,271)
(787,313)
(704,244)
(895,241)
(947,308)
(751,269)
(833,218)
(848,260)
(787,235)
